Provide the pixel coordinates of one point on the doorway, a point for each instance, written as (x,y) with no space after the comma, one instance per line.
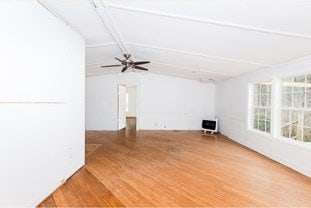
(127,107)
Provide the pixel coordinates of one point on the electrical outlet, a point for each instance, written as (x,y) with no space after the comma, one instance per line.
(155,124)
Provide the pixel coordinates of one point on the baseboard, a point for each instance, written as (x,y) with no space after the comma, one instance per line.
(61,184)
(272,156)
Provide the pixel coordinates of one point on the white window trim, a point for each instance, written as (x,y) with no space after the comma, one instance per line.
(251,108)
(291,108)
(276,108)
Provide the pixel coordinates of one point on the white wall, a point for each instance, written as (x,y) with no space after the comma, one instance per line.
(41,103)
(175,103)
(101,103)
(164,102)
(132,99)
(232,109)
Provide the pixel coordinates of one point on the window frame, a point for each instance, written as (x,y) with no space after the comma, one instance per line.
(276,108)
(251,108)
(279,136)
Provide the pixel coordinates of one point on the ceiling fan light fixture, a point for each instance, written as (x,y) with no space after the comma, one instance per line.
(128,63)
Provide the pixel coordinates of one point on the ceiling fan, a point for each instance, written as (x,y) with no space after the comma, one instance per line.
(129,63)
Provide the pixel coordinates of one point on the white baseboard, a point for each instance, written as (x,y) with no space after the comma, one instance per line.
(272,156)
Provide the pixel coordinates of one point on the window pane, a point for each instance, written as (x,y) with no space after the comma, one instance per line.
(256,100)
(299,87)
(269,100)
(262,125)
(287,85)
(307,119)
(308,84)
(285,131)
(296,117)
(308,100)
(299,83)
(263,89)
(256,88)
(285,116)
(287,100)
(269,89)
(296,104)
(263,100)
(256,113)
(300,79)
(268,120)
(268,114)
(255,119)
(307,134)
(296,132)
(299,100)
(255,124)
(268,126)
(262,114)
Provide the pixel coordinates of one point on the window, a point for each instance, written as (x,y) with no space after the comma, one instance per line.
(261,107)
(296,108)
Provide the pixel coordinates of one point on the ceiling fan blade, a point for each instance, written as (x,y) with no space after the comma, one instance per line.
(141,62)
(112,65)
(141,68)
(124,69)
(118,59)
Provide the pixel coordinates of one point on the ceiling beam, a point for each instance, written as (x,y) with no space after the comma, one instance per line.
(45,6)
(202,80)
(208,21)
(100,45)
(171,65)
(193,69)
(179,51)
(198,54)
(108,21)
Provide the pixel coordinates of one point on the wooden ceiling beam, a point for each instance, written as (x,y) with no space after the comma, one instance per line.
(209,21)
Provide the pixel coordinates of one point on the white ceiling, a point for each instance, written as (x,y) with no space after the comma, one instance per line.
(210,39)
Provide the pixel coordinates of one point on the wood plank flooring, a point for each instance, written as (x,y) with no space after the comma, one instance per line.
(131,123)
(178,169)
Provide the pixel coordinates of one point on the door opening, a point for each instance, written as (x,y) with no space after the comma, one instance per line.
(127,107)
(131,99)
(121,107)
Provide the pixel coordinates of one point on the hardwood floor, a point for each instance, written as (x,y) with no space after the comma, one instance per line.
(131,123)
(171,168)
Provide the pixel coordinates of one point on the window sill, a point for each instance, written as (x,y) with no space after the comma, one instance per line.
(302,145)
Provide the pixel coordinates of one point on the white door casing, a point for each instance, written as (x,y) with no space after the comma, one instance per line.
(122,106)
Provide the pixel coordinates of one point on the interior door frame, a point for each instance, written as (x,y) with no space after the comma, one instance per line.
(118,106)
(137,104)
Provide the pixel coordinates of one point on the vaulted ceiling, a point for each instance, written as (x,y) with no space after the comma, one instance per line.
(197,39)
